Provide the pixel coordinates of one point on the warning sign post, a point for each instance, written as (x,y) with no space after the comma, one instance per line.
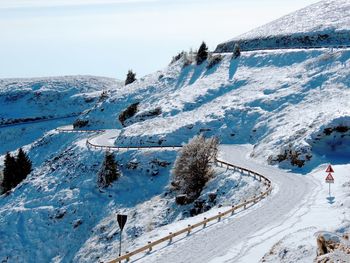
(329,178)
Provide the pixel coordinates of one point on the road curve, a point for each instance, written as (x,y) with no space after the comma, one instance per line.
(229,241)
(236,236)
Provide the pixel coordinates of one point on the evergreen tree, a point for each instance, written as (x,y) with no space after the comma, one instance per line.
(130,77)
(23,166)
(15,170)
(9,173)
(202,53)
(109,171)
(236,51)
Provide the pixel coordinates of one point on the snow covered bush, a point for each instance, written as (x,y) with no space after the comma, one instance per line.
(129,112)
(202,53)
(15,170)
(130,77)
(80,123)
(177,57)
(214,60)
(192,169)
(109,171)
(236,51)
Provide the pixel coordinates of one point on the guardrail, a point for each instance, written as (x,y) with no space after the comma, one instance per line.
(205,221)
(77,130)
(189,228)
(153,147)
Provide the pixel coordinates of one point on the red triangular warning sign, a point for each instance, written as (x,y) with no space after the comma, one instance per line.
(329,177)
(329,169)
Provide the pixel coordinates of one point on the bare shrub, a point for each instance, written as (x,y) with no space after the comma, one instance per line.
(109,171)
(214,60)
(129,112)
(177,57)
(192,169)
(78,123)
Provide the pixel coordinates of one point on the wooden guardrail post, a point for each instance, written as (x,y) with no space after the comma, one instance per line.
(171,237)
(219,218)
(188,229)
(150,248)
(205,222)
(233,210)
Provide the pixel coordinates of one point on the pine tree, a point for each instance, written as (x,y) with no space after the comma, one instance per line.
(130,77)
(109,171)
(23,166)
(9,173)
(236,51)
(202,53)
(15,170)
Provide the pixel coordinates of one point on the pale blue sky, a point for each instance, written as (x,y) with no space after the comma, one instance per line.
(108,37)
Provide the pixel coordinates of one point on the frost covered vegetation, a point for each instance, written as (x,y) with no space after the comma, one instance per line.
(109,171)
(192,169)
(292,106)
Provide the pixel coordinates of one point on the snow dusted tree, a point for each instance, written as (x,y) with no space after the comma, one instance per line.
(130,77)
(24,165)
(8,181)
(109,171)
(236,51)
(192,169)
(15,170)
(202,53)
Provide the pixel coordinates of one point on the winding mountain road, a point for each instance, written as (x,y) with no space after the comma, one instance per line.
(252,233)
(247,236)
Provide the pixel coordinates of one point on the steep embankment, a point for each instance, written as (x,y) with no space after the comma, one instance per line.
(324,24)
(280,101)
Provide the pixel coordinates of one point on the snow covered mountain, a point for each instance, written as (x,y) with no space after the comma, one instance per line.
(45,103)
(291,106)
(25,100)
(323,24)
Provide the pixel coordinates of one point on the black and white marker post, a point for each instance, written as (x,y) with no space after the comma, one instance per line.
(121,222)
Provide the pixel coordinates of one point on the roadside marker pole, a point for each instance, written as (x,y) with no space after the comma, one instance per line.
(329,178)
(121,222)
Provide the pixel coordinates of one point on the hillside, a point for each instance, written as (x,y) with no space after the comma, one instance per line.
(26,100)
(324,24)
(284,113)
(31,107)
(258,99)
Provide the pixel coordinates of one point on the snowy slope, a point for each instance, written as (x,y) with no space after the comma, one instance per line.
(31,107)
(60,200)
(291,106)
(326,23)
(42,98)
(280,101)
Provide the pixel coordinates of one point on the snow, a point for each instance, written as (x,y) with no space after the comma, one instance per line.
(328,15)
(21,99)
(323,24)
(269,108)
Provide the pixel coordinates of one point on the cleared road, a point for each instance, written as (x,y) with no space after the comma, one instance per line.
(232,239)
